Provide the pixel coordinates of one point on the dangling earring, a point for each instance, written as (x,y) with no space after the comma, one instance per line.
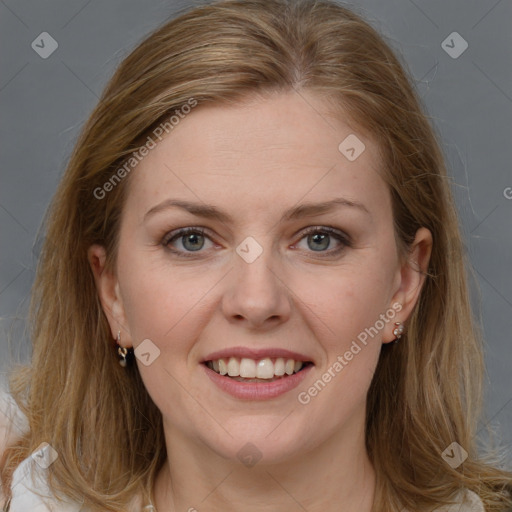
(398,331)
(123,352)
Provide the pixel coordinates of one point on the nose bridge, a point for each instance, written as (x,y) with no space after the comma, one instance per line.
(256,291)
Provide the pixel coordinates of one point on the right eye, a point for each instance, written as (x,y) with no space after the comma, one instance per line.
(191,239)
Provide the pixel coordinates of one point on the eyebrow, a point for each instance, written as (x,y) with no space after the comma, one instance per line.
(297,212)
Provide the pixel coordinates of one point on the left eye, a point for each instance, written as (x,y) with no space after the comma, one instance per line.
(319,238)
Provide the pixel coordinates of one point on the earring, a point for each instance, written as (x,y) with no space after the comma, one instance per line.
(125,354)
(398,331)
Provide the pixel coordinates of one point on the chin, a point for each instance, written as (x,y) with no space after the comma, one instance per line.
(265,442)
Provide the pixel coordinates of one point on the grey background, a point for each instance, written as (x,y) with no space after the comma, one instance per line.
(44,103)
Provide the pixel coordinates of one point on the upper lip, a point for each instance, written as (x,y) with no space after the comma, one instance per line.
(256,354)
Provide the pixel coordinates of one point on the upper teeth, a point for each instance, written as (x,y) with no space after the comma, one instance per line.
(251,369)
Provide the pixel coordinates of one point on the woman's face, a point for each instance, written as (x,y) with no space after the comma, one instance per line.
(256,285)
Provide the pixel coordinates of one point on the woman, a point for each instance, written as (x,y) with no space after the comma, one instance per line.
(257,224)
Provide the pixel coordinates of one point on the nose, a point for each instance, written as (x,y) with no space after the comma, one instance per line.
(256,294)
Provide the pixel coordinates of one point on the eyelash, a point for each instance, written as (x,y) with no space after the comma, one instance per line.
(338,235)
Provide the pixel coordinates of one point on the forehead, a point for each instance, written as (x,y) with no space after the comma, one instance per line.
(259,153)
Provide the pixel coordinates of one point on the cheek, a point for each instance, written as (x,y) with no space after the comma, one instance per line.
(163,303)
(166,306)
(360,300)
(346,302)
(349,325)
(154,306)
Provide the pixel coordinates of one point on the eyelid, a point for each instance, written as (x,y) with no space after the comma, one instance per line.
(181,232)
(344,240)
(329,230)
(176,233)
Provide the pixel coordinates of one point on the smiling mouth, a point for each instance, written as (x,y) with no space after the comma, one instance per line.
(251,370)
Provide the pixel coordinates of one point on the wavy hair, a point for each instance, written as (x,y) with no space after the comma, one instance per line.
(426,391)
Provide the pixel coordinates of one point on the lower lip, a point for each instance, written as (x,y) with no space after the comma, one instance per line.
(257,390)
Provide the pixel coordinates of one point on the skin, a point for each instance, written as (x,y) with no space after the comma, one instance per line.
(255,160)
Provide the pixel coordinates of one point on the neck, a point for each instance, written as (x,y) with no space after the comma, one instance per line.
(336,475)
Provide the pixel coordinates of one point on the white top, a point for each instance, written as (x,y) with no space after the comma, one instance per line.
(30,491)
(32,494)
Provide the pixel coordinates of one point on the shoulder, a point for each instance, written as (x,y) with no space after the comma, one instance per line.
(12,420)
(12,424)
(30,490)
(466,501)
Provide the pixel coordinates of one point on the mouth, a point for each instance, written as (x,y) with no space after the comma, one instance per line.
(264,370)
(249,373)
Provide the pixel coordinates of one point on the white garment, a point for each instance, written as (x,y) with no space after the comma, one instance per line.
(467,501)
(28,482)
(26,494)
(30,491)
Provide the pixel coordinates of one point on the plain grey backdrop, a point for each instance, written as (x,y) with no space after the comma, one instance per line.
(467,92)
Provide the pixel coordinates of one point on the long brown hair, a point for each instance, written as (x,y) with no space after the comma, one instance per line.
(426,392)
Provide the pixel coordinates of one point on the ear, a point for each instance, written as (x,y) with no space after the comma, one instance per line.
(107,286)
(409,280)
